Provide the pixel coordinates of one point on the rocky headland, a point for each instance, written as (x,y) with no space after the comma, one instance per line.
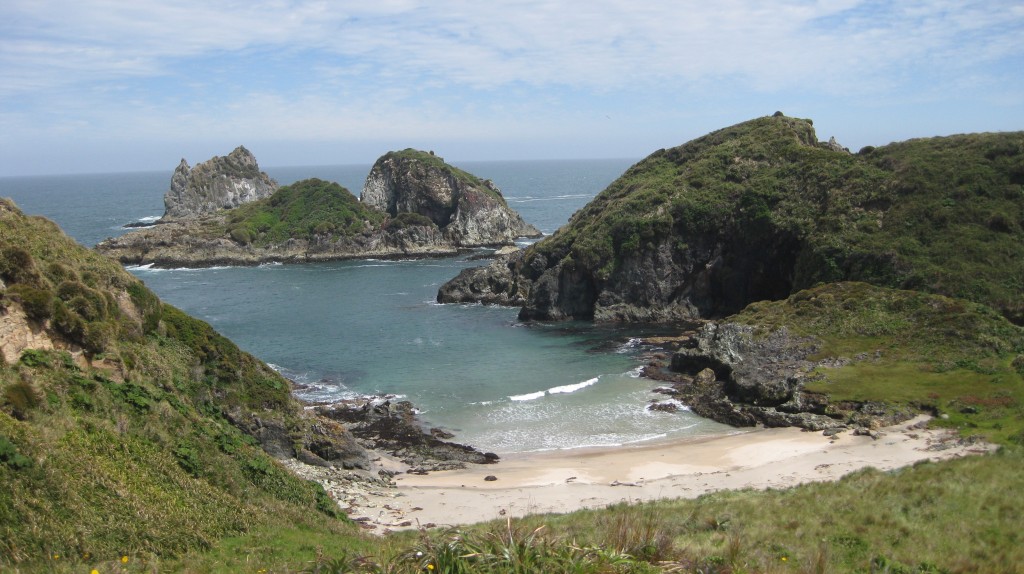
(763,209)
(413,205)
(833,290)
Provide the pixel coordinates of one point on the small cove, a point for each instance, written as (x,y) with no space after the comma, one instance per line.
(367,327)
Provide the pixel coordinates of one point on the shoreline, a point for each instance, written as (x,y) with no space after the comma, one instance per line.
(567,480)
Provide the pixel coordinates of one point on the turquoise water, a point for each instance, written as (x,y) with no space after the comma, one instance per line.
(364,327)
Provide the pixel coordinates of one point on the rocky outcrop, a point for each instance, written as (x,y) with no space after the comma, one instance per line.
(471,212)
(729,373)
(413,205)
(222,182)
(386,425)
(762,209)
(499,283)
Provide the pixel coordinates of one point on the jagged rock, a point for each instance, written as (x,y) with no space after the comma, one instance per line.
(414,205)
(497,284)
(222,182)
(393,427)
(765,371)
(470,211)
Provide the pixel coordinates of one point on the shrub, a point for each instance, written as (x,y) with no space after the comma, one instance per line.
(10,456)
(22,398)
(37,303)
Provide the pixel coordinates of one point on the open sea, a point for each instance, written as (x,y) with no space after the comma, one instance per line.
(352,328)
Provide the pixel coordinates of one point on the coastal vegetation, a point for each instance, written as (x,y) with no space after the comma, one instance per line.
(303,210)
(768,211)
(126,427)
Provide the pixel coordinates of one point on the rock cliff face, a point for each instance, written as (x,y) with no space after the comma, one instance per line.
(762,209)
(216,184)
(470,211)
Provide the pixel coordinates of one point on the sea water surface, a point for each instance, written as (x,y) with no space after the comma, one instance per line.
(352,328)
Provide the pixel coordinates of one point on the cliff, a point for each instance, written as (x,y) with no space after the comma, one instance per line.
(222,182)
(761,210)
(471,212)
(411,208)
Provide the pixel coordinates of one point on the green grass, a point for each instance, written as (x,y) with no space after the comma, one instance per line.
(304,210)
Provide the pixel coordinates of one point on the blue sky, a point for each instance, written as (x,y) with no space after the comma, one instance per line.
(113,85)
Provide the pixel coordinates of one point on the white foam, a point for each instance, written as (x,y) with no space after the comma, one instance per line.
(528,396)
(572,388)
(150,218)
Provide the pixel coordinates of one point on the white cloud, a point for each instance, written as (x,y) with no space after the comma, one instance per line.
(317,69)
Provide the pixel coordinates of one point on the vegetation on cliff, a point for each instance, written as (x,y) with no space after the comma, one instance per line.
(760,210)
(928,352)
(127,426)
(303,210)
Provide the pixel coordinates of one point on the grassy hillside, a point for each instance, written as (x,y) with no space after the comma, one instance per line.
(930,352)
(302,210)
(123,423)
(782,213)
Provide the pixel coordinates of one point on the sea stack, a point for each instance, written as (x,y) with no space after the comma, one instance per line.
(470,211)
(222,182)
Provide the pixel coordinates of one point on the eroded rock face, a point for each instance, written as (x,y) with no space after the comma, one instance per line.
(216,184)
(470,211)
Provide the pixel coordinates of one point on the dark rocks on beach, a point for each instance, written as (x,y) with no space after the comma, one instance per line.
(726,373)
(385,425)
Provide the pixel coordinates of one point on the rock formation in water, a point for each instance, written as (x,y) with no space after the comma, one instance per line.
(470,211)
(762,209)
(222,182)
(414,205)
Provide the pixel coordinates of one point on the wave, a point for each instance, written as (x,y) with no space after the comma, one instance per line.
(531,199)
(150,218)
(528,396)
(562,389)
(572,388)
(629,346)
(149,267)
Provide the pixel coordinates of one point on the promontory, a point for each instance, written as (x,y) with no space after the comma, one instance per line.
(412,204)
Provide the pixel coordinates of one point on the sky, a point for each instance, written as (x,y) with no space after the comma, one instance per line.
(94,86)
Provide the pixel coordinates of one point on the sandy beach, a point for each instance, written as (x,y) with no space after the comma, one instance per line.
(568,480)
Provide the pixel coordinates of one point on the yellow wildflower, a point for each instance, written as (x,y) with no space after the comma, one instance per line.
(124,559)
(94,571)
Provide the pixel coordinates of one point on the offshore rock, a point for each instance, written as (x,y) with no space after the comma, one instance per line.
(470,211)
(222,182)
(496,284)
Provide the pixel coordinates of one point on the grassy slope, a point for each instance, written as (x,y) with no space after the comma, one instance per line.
(128,450)
(944,215)
(934,352)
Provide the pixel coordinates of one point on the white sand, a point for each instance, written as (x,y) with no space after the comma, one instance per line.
(563,481)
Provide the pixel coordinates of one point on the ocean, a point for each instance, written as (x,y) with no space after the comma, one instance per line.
(356,328)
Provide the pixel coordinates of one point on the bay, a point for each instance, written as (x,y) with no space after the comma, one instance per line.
(353,328)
